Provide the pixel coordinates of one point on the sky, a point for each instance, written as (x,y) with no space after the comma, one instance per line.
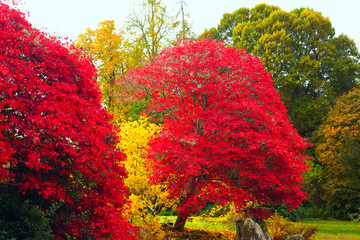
(69,18)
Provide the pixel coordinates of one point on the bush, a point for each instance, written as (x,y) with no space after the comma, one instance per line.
(168,212)
(279,228)
(355,217)
(23,219)
(286,213)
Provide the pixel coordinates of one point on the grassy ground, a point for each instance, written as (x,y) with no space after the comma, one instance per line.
(328,229)
(201,223)
(333,230)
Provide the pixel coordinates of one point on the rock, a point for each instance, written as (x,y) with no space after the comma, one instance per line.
(266,233)
(296,237)
(252,231)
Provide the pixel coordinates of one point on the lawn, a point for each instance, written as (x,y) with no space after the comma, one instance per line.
(201,223)
(333,229)
(328,229)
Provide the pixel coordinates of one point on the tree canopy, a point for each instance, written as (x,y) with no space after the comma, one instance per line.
(147,200)
(113,55)
(338,150)
(57,146)
(310,66)
(226,135)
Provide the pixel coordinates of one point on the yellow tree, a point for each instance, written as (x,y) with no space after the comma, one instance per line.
(147,199)
(112,54)
(338,150)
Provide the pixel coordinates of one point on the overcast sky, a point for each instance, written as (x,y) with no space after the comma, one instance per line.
(72,17)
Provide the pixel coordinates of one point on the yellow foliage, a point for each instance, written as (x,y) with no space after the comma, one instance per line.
(343,120)
(337,149)
(147,199)
(228,213)
(278,227)
(113,55)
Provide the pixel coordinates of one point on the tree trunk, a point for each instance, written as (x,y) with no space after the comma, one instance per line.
(180,222)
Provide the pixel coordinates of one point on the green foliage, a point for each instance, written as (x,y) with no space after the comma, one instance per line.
(307,62)
(134,112)
(286,213)
(168,212)
(224,31)
(355,217)
(202,228)
(310,66)
(315,206)
(23,219)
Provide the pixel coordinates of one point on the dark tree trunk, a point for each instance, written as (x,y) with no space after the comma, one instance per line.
(180,222)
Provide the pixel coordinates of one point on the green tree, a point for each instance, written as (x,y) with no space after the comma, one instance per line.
(338,150)
(224,30)
(310,66)
(300,51)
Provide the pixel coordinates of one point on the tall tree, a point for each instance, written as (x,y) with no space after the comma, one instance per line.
(185,31)
(226,136)
(146,200)
(338,150)
(113,55)
(152,27)
(300,51)
(310,66)
(57,146)
(224,31)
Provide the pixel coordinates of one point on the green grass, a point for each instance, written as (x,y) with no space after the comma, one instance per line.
(328,229)
(201,223)
(333,229)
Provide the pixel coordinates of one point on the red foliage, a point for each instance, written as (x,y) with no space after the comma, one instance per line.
(55,138)
(226,135)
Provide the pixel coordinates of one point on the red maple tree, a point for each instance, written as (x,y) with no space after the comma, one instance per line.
(226,135)
(56,143)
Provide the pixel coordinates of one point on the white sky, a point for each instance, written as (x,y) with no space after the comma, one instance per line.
(72,17)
